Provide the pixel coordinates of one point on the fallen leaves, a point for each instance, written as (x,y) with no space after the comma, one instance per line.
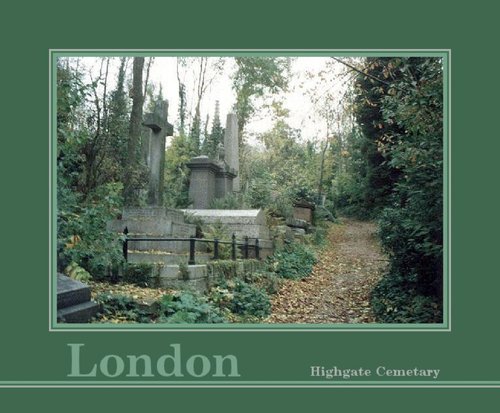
(141,295)
(338,289)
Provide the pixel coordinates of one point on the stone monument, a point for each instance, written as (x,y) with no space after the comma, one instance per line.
(216,178)
(209,180)
(231,148)
(159,127)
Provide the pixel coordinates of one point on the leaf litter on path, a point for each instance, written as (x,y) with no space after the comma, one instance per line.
(339,286)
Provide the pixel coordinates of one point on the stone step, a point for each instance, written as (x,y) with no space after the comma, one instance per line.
(166,258)
(79,313)
(71,292)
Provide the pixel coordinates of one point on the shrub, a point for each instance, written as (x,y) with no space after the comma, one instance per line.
(123,308)
(249,300)
(82,235)
(294,261)
(230,201)
(188,307)
(394,300)
(265,280)
(138,273)
(241,298)
(220,232)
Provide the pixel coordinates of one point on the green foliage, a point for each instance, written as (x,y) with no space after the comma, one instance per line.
(139,273)
(293,261)
(82,234)
(401,119)
(220,232)
(264,280)
(256,76)
(177,155)
(241,298)
(287,171)
(249,300)
(224,269)
(230,201)
(183,271)
(188,307)
(212,142)
(122,307)
(73,270)
(394,301)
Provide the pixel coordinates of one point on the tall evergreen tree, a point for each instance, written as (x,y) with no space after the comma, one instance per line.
(119,121)
(216,136)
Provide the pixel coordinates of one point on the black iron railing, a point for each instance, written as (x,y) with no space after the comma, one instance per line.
(245,245)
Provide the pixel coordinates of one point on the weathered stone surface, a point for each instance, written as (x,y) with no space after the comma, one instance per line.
(250,222)
(153,221)
(297,223)
(303,210)
(73,301)
(241,216)
(299,231)
(202,181)
(166,258)
(231,148)
(78,313)
(247,222)
(160,128)
(209,180)
(71,292)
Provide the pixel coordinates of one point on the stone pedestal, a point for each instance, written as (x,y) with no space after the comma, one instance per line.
(202,181)
(209,180)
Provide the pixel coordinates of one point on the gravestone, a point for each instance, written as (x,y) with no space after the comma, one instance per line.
(157,122)
(231,148)
(303,210)
(73,301)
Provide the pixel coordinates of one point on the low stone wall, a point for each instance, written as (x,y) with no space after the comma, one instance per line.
(193,277)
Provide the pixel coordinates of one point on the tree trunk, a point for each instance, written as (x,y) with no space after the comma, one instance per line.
(131,185)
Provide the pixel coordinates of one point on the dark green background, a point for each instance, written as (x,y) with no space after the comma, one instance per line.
(469,353)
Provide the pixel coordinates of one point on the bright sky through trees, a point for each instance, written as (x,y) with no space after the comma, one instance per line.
(313,80)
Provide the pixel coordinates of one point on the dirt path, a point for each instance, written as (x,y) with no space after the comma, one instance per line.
(338,289)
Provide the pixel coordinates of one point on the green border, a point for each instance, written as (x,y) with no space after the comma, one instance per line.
(442,327)
(250,384)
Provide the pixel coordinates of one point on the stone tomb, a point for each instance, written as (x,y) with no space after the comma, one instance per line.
(246,222)
(73,301)
(154,222)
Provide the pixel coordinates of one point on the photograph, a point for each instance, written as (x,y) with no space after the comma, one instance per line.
(264,189)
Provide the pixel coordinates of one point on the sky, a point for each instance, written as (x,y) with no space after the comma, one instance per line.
(312,80)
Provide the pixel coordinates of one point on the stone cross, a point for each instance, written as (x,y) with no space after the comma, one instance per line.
(160,129)
(231,148)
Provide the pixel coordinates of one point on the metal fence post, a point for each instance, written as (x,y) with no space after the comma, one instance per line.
(233,247)
(216,249)
(125,244)
(192,242)
(246,247)
(257,249)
